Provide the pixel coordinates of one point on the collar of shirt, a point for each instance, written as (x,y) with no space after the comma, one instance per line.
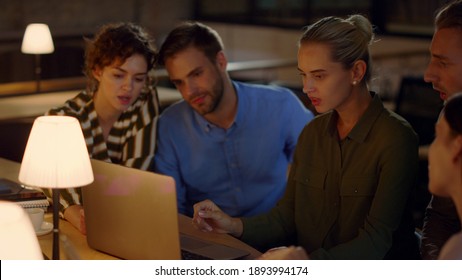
(365,123)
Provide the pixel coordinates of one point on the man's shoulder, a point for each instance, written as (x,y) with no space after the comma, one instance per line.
(261,89)
(179,107)
(269,94)
(176,112)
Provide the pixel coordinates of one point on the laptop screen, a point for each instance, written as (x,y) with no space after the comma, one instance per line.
(130,213)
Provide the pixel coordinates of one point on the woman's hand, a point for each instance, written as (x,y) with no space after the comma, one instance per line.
(209,217)
(76,216)
(285,253)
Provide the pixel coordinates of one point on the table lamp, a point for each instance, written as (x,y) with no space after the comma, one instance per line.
(56,157)
(37,40)
(17,236)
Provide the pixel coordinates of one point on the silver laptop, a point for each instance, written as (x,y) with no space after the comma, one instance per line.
(132,214)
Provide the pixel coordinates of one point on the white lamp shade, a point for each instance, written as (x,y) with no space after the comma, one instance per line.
(56,155)
(37,39)
(17,236)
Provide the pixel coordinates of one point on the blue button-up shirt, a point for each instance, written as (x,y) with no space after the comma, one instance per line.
(243,168)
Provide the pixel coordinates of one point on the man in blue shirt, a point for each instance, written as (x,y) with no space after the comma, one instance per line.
(227,141)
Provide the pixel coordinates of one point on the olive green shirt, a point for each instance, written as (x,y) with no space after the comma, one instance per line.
(346,199)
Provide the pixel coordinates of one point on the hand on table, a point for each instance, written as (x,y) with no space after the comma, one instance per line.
(285,253)
(76,216)
(209,217)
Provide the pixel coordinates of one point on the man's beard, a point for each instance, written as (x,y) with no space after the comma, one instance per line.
(216,96)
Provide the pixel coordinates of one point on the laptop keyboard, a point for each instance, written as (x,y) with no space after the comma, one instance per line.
(185,255)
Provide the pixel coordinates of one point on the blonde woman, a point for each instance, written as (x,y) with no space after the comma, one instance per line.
(354,166)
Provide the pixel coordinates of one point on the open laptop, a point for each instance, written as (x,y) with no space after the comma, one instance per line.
(132,214)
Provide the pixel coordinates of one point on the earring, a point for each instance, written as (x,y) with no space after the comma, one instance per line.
(355,82)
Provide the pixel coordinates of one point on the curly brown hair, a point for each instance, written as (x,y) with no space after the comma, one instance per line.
(117,42)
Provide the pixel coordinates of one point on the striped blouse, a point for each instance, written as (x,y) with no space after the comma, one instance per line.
(131,141)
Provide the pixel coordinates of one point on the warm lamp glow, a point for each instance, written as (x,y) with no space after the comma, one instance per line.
(37,39)
(56,157)
(17,236)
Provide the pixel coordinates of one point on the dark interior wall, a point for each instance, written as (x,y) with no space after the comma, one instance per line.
(15,133)
(69,22)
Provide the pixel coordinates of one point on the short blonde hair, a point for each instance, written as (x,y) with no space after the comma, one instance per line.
(349,39)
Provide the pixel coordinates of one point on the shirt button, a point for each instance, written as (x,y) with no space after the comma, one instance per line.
(356,191)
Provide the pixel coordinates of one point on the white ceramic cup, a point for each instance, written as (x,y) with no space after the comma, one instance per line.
(36,217)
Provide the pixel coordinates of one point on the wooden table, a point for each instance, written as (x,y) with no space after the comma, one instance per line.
(76,243)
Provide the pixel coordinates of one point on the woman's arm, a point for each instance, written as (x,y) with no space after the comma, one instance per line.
(75,215)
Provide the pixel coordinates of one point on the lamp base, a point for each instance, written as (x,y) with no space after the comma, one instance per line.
(55,224)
